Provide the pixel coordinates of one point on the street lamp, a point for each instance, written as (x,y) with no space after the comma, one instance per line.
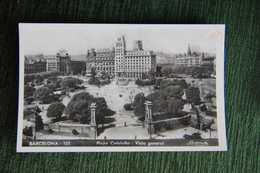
(131,97)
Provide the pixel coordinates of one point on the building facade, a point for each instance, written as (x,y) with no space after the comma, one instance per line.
(52,62)
(193,59)
(188,59)
(63,62)
(208,61)
(77,67)
(103,60)
(133,64)
(34,64)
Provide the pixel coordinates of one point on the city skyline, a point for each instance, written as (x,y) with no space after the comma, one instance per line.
(77,38)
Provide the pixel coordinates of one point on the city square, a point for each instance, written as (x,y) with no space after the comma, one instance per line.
(121,95)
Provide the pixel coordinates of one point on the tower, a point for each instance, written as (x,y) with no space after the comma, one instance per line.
(120,48)
(189,51)
(202,56)
(120,45)
(138,46)
(64,61)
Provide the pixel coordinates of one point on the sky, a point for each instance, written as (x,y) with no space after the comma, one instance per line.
(78,38)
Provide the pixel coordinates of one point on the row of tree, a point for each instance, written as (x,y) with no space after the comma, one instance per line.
(46,94)
(78,109)
(38,78)
(167,100)
(195,71)
(104,79)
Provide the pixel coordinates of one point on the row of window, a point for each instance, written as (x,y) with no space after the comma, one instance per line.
(136,75)
(104,68)
(104,63)
(136,53)
(133,66)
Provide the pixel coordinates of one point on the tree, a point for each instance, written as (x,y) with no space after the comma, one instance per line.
(174,105)
(182,83)
(157,83)
(152,74)
(28,78)
(83,73)
(93,72)
(139,98)
(165,83)
(28,91)
(70,82)
(38,123)
(39,78)
(128,106)
(94,80)
(105,77)
(43,94)
(167,100)
(55,110)
(139,82)
(193,95)
(172,91)
(78,109)
(139,107)
(166,71)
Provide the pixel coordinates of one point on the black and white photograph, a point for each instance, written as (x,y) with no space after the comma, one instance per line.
(121,87)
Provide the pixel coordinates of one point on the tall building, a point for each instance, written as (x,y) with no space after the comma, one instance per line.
(138,45)
(133,64)
(63,61)
(103,60)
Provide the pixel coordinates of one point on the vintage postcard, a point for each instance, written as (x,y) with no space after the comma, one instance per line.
(121,87)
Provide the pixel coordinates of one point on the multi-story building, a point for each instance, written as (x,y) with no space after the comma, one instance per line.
(103,60)
(189,59)
(63,62)
(133,64)
(52,62)
(207,61)
(34,64)
(77,67)
(193,59)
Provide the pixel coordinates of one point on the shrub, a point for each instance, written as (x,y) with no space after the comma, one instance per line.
(39,123)
(72,89)
(78,109)
(63,92)
(75,132)
(83,73)
(28,131)
(55,110)
(128,107)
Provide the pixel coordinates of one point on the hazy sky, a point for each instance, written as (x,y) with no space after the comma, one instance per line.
(78,38)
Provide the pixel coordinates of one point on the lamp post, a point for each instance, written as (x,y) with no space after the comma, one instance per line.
(131,97)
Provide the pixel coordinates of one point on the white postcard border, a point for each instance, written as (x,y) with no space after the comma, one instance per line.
(219,90)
